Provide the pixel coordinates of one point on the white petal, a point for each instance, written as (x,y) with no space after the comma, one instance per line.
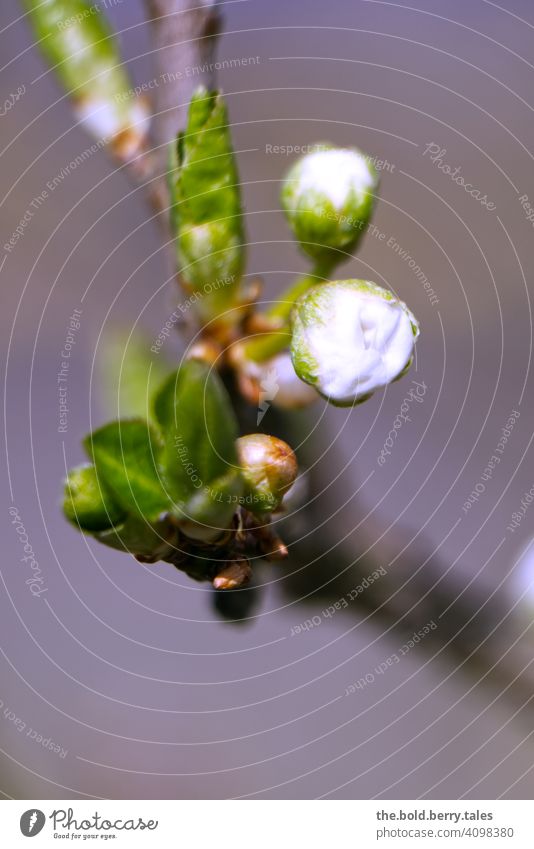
(334,173)
(360,340)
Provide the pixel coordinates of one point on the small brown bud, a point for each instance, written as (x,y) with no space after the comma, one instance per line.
(206,350)
(235,574)
(249,388)
(269,468)
(275,550)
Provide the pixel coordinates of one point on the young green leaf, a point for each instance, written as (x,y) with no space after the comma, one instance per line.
(151,541)
(206,208)
(126,456)
(88,503)
(199,430)
(210,510)
(128,372)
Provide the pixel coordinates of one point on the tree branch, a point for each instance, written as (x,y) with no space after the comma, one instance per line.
(184,34)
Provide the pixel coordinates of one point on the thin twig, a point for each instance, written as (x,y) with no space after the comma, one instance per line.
(183,35)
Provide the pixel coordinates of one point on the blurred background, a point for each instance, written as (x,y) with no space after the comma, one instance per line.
(124,681)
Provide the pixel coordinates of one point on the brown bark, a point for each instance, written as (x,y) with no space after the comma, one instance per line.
(183,33)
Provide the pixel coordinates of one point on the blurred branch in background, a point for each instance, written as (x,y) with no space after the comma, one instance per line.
(183,35)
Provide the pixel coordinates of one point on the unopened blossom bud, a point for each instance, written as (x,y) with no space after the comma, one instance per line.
(87,503)
(350,338)
(269,468)
(328,199)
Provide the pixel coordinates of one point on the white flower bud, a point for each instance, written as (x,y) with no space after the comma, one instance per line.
(350,338)
(328,199)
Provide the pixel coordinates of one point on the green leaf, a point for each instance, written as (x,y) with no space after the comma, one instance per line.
(126,456)
(199,430)
(136,536)
(88,503)
(210,510)
(129,372)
